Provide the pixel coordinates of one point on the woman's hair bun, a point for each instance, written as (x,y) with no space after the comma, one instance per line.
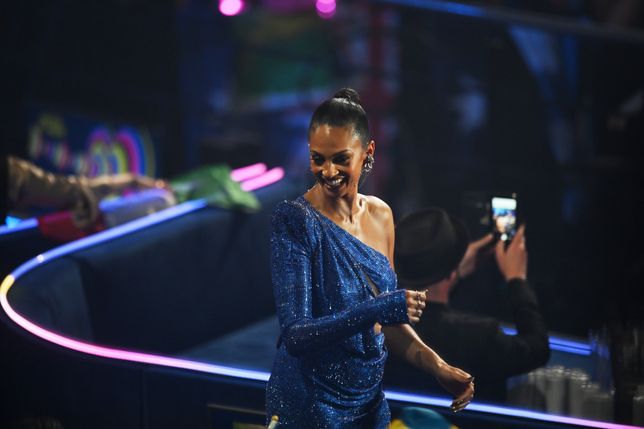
(342,110)
(348,94)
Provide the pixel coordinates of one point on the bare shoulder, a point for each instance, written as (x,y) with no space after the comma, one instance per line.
(382,220)
(378,209)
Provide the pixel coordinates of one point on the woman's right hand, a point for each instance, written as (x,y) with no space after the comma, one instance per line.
(415,305)
(457,382)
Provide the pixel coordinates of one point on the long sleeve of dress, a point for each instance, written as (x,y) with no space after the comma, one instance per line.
(292,247)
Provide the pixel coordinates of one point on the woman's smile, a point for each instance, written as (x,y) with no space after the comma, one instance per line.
(333,184)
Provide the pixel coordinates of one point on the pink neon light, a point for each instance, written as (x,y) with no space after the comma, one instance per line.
(231,7)
(325,8)
(258,375)
(245,173)
(123,354)
(271,176)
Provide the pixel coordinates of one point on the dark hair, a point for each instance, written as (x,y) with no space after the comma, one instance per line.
(343,109)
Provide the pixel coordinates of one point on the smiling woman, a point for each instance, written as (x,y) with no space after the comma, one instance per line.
(336,292)
(338,157)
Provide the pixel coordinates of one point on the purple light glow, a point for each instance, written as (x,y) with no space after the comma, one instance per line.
(231,7)
(271,176)
(111,353)
(325,8)
(245,173)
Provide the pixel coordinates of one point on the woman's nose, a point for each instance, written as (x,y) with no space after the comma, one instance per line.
(329,170)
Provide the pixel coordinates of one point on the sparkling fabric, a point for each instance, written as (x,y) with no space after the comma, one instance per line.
(329,364)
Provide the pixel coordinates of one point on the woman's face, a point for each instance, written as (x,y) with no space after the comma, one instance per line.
(337,157)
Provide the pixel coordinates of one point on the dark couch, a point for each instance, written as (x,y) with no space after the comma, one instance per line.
(161,289)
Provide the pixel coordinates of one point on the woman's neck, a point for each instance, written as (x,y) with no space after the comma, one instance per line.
(344,208)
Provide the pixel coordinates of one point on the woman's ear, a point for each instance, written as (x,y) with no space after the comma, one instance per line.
(371,148)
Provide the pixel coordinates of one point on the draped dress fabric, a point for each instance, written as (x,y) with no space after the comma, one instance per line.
(330,361)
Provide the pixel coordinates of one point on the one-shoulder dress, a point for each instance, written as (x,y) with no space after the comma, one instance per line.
(329,364)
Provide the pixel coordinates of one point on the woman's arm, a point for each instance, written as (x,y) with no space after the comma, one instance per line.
(405,343)
(301,333)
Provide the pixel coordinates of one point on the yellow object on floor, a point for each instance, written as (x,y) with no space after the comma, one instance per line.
(397,424)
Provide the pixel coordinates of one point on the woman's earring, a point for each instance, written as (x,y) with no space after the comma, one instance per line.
(368,164)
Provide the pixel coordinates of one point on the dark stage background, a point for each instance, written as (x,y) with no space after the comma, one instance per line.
(539,98)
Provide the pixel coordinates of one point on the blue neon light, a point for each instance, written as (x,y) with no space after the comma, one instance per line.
(112,233)
(560,344)
(438,401)
(14,224)
(571,350)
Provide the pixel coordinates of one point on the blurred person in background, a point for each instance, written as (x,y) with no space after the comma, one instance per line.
(431,254)
(25,186)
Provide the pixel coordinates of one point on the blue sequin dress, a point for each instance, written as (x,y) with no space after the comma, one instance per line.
(329,364)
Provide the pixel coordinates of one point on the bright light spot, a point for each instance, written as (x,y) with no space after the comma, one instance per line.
(325,8)
(231,7)
(12,221)
(40,258)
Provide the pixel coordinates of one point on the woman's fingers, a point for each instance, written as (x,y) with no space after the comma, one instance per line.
(416,299)
(464,399)
(414,315)
(456,407)
(415,304)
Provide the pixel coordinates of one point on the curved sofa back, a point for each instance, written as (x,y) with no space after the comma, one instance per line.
(20,243)
(163,288)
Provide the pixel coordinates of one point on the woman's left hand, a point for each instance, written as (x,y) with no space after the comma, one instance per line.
(415,304)
(457,382)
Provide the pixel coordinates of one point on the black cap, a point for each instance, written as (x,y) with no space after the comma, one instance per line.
(429,246)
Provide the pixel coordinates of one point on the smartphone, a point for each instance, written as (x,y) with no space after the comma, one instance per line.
(503,212)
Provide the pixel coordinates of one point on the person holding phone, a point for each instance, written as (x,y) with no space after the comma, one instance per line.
(431,254)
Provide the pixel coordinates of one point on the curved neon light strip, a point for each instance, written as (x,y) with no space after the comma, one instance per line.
(245,173)
(19,226)
(117,353)
(271,176)
(238,175)
(126,355)
(132,356)
(571,350)
(560,344)
(505,411)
